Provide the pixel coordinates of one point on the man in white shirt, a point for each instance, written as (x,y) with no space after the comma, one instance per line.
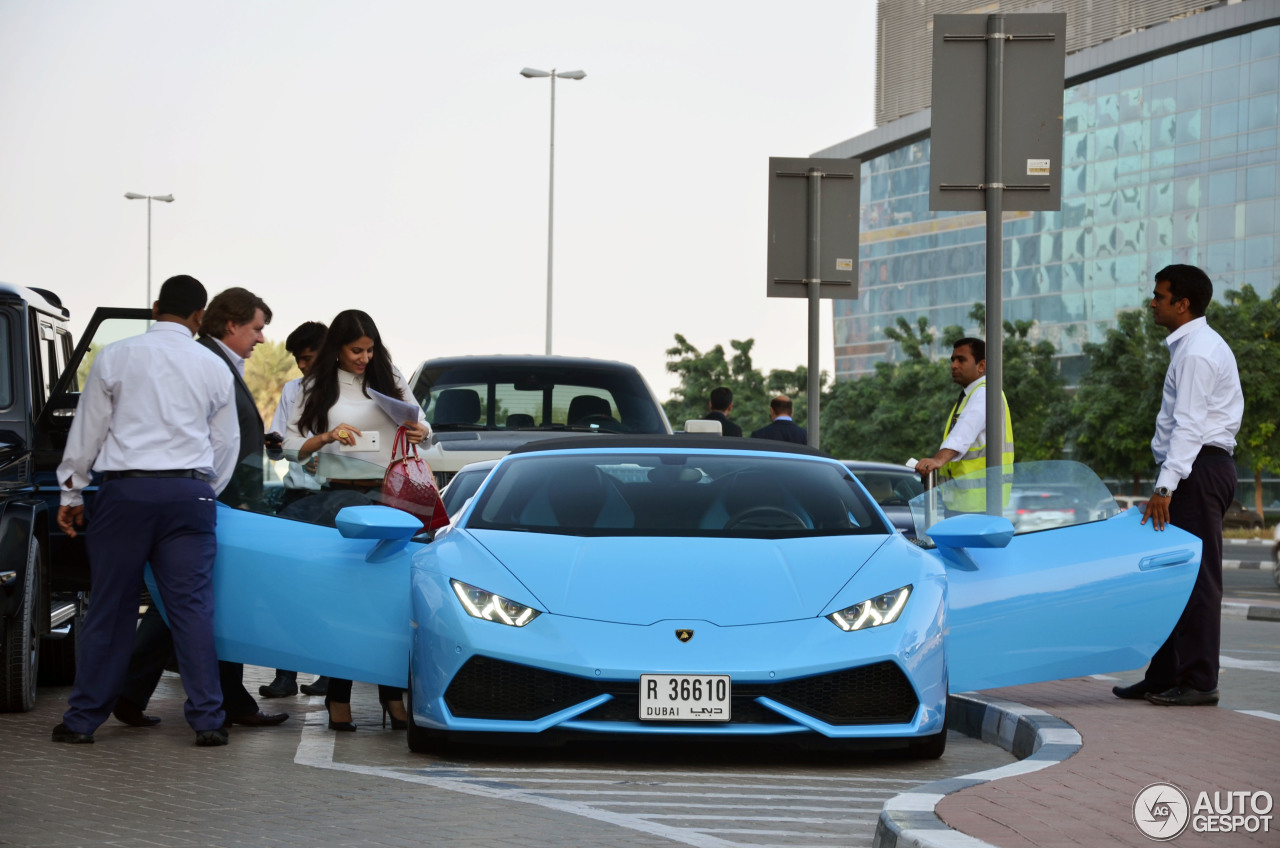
(230,329)
(964,438)
(157,420)
(1200,414)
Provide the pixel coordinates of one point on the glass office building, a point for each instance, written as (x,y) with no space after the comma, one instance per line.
(1170,154)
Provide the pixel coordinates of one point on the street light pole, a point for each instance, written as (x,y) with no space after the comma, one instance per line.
(531,73)
(164,198)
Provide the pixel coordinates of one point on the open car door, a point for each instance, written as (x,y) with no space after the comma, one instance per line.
(319,584)
(1095,596)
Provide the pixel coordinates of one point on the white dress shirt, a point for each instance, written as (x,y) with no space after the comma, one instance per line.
(153,402)
(971,427)
(363,413)
(289,393)
(1202,402)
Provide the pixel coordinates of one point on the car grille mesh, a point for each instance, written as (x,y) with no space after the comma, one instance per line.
(488,688)
(870,694)
(493,689)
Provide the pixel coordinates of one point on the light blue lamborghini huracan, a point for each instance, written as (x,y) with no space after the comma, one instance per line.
(697,586)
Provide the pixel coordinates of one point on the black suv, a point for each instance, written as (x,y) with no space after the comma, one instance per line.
(44,576)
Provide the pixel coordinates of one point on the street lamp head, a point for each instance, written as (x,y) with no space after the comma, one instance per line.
(133,195)
(534,72)
(167,198)
(574,75)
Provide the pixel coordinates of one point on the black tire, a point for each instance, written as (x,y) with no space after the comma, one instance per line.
(930,747)
(422,740)
(20,651)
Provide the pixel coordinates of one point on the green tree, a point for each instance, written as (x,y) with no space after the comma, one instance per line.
(1113,414)
(1251,325)
(897,412)
(701,372)
(265,372)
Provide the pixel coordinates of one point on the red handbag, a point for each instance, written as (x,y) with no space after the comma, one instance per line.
(409,484)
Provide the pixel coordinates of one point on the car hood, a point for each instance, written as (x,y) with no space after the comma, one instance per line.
(638,580)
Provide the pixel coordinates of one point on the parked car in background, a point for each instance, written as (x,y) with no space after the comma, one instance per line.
(1127,501)
(892,487)
(480,407)
(464,484)
(1237,516)
(1032,510)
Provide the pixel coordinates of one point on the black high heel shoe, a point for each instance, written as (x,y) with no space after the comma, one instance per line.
(396,723)
(339,725)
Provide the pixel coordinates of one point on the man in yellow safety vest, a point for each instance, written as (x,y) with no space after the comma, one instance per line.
(964,439)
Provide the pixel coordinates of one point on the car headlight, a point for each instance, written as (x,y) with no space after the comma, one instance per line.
(481,604)
(882,609)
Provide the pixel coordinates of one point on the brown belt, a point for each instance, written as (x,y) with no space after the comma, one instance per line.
(359,485)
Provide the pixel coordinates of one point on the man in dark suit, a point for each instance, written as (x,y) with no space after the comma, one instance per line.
(782,428)
(231,328)
(721,405)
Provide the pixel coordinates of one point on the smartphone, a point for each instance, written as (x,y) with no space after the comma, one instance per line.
(365,442)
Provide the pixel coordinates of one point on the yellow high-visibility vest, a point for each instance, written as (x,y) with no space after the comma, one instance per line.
(968,490)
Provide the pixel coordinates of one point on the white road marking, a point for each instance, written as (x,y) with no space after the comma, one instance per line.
(1260,714)
(623,801)
(1249,665)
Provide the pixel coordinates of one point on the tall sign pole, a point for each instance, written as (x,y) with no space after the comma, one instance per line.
(997,145)
(813,246)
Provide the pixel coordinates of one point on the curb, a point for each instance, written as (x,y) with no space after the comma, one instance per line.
(1239,611)
(1035,737)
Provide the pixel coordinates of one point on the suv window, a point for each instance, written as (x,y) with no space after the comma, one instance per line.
(6,372)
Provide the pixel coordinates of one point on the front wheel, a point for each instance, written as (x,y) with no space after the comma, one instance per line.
(422,740)
(20,650)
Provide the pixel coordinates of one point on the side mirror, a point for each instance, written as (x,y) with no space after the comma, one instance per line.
(392,528)
(972,531)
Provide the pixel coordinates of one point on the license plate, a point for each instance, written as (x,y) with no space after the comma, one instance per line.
(685,697)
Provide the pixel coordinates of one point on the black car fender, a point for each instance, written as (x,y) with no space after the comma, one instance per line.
(19,519)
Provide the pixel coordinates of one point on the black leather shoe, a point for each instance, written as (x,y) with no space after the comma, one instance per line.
(281,687)
(1136,692)
(212,738)
(259,719)
(131,714)
(1184,696)
(318,687)
(62,733)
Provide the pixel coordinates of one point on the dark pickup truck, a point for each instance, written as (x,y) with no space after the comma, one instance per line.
(44,575)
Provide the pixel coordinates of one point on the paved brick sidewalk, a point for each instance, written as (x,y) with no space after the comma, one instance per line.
(1087,800)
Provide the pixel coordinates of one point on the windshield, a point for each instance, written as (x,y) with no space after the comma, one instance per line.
(1042,496)
(538,397)
(674,494)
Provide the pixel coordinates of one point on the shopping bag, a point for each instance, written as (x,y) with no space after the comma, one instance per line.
(409,484)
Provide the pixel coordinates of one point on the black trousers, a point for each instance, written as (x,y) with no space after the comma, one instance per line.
(1189,657)
(168,522)
(152,645)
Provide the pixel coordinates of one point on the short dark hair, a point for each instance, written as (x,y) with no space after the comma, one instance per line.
(781,405)
(182,296)
(977,346)
(233,304)
(308,335)
(1188,281)
(721,398)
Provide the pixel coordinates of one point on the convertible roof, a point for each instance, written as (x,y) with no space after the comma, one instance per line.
(689,441)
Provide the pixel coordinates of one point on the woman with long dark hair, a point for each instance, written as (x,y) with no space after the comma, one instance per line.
(335,409)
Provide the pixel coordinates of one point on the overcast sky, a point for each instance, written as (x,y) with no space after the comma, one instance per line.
(387,155)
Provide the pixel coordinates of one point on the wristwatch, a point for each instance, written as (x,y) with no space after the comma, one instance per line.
(1163,491)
